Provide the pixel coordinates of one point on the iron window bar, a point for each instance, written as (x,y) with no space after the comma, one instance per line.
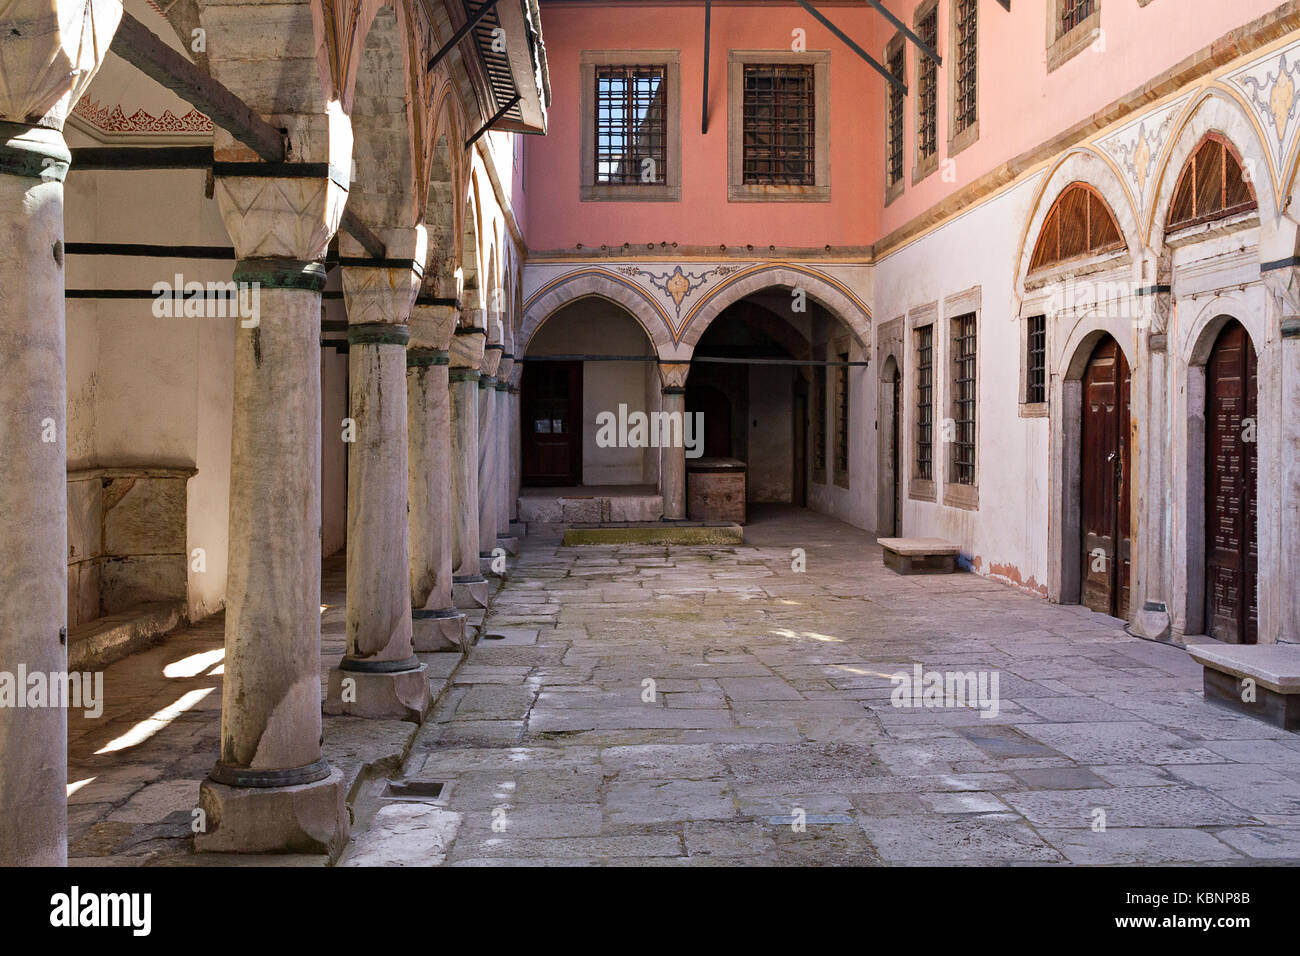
(963,446)
(925,403)
(631,125)
(778,125)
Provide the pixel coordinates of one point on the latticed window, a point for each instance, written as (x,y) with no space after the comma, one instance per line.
(895,137)
(778,121)
(631,125)
(963,399)
(927,88)
(1211,186)
(925,402)
(1079,224)
(1036,360)
(965,27)
(842,422)
(1074,12)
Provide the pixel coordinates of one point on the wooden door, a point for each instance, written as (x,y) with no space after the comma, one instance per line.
(1231,479)
(1105,480)
(551,403)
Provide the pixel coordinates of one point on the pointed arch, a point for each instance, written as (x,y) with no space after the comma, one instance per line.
(1089,168)
(1219,114)
(1079,225)
(831,294)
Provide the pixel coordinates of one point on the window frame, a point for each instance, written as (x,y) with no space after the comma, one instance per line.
(1028,408)
(923,166)
(1063,46)
(960,494)
(589,189)
(919,488)
(894,187)
(737,189)
(958,140)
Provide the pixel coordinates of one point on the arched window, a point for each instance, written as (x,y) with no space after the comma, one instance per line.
(1080,224)
(1211,186)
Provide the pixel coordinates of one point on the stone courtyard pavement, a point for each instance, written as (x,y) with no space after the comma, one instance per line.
(771,699)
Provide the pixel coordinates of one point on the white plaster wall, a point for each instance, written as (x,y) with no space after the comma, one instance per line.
(595,327)
(1007,536)
(150,391)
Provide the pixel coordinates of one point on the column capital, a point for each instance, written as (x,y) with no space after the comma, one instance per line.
(505,366)
(280,217)
(673,374)
(432,323)
(1153,296)
(50,50)
(1282,279)
(491,358)
(467,346)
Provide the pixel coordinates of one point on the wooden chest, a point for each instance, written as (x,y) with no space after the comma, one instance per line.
(715,490)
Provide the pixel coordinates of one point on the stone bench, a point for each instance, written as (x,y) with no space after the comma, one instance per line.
(1274,669)
(919,555)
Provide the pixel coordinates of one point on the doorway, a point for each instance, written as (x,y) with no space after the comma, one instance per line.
(1231,481)
(1105,482)
(551,403)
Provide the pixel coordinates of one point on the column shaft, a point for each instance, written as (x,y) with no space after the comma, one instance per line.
(33,502)
(468,584)
(437,624)
(487,468)
(672,467)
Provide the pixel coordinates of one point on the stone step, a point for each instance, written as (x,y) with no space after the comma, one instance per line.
(592,509)
(96,644)
(676,532)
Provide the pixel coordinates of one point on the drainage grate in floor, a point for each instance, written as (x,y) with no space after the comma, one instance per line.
(427,791)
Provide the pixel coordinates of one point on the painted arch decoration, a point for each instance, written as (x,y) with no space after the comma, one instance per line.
(675,301)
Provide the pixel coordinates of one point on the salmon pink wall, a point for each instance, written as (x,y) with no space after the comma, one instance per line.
(558,220)
(1021,106)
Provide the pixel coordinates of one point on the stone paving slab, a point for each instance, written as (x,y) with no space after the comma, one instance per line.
(695,706)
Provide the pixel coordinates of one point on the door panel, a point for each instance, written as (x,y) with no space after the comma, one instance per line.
(1231,479)
(551,403)
(1104,482)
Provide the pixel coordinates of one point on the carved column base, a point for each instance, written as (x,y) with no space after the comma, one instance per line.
(394,695)
(308,818)
(442,630)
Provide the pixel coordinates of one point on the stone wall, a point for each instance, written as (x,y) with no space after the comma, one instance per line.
(126,539)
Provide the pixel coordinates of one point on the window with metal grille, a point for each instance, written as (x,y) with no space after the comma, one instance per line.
(925,402)
(965,27)
(927,87)
(820,409)
(963,399)
(1211,186)
(631,126)
(778,122)
(842,422)
(1036,360)
(895,131)
(1074,12)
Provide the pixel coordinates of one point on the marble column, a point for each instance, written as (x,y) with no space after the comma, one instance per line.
(272,789)
(1279,602)
(49,52)
(1152,484)
(672,462)
(505,539)
(469,587)
(437,623)
(379,676)
(487,463)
